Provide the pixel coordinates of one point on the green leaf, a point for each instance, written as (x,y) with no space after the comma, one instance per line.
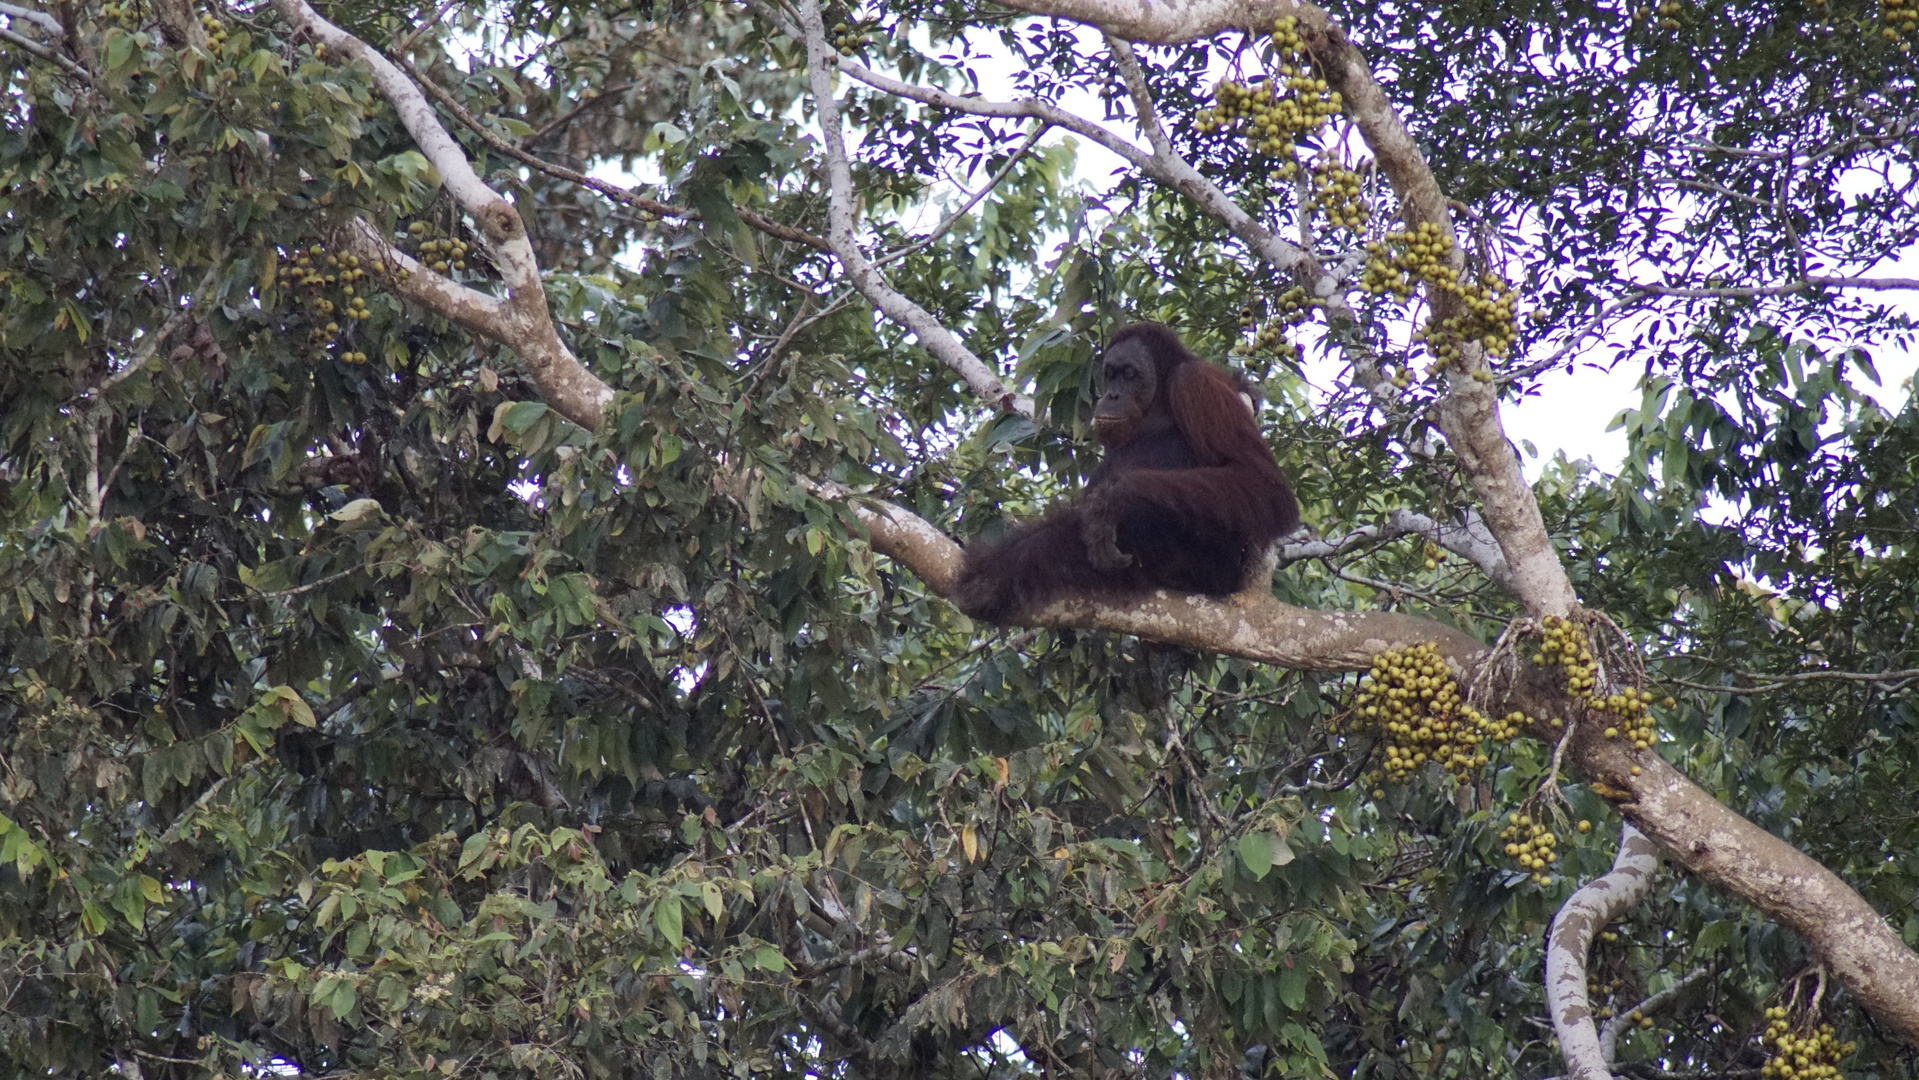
(1261,851)
(94,918)
(1257,853)
(131,903)
(119,48)
(358,510)
(1292,985)
(343,999)
(1714,937)
(666,918)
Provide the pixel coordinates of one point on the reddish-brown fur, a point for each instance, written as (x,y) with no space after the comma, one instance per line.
(1190,490)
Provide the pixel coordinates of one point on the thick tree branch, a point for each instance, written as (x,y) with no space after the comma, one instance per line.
(1252,625)
(1699,833)
(521,321)
(1568,944)
(40,19)
(47,53)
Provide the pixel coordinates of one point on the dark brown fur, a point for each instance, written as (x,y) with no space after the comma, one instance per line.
(1190,490)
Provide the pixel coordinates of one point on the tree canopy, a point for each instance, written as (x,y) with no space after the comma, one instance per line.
(478,485)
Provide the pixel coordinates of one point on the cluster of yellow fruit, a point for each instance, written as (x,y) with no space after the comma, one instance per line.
(1410,699)
(320,277)
(216,32)
(126,14)
(1395,264)
(1336,190)
(849,38)
(1669,15)
(1275,112)
(1800,1057)
(1489,319)
(1902,18)
(1530,844)
(1633,708)
(1294,307)
(1597,988)
(442,254)
(1565,643)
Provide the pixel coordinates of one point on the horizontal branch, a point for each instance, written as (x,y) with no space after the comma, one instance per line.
(47,53)
(1804,284)
(1471,540)
(1251,625)
(38,18)
(1887,680)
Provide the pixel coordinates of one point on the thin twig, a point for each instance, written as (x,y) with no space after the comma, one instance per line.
(560,121)
(1804,284)
(1889,680)
(1551,783)
(150,345)
(401,47)
(972,201)
(1609,1035)
(612,191)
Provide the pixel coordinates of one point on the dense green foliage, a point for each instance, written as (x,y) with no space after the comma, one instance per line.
(359,714)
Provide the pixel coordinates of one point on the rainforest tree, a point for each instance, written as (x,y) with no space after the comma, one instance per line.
(478,486)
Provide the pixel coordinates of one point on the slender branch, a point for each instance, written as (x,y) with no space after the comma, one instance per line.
(610,190)
(1804,284)
(568,116)
(1593,325)
(150,345)
(1135,79)
(1882,679)
(38,18)
(1471,540)
(1609,1035)
(1720,189)
(405,45)
(822,61)
(47,54)
(973,200)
